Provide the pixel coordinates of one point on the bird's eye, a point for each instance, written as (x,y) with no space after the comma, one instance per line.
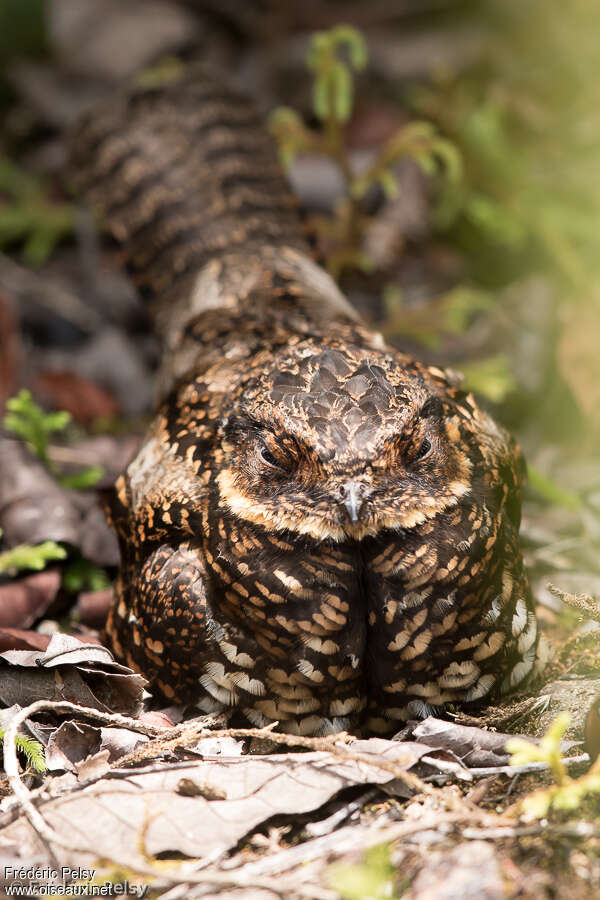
(268,458)
(424,450)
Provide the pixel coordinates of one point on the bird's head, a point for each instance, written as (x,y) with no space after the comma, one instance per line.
(342,444)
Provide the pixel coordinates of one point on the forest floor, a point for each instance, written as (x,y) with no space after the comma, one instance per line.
(124,793)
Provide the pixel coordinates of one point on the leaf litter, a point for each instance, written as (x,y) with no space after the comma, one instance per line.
(243,806)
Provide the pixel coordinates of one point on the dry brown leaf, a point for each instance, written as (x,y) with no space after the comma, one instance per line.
(25,600)
(86,674)
(93,606)
(70,745)
(35,508)
(142,814)
(475,747)
(18,639)
(83,399)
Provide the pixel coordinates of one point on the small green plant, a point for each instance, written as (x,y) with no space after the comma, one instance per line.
(566,793)
(373,878)
(334,56)
(85,478)
(28,556)
(333,90)
(28,217)
(31,423)
(27,420)
(83,575)
(31,749)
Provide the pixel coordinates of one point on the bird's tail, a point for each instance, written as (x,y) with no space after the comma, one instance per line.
(182,175)
(187,179)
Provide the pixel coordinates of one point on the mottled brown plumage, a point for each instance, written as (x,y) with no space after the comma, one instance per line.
(317,530)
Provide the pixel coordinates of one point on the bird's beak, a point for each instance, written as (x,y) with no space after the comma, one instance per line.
(353,494)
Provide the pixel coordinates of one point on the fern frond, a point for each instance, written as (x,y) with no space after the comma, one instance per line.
(31,749)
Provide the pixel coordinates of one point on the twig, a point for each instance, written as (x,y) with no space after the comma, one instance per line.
(11,766)
(188,732)
(49,836)
(461,811)
(191,731)
(576,831)
(527,768)
(445,765)
(323,827)
(120,721)
(587,605)
(475,834)
(330,744)
(345,840)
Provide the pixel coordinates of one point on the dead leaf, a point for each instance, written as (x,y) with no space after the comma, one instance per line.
(17,639)
(71,743)
(120,741)
(93,606)
(161,718)
(33,506)
(25,600)
(110,452)
(63,648)
(98,541)
(93,767)
(81,397)
(86,674)
(257,789)
(474,747)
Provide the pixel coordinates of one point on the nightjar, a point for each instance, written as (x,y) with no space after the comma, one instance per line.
(318,530)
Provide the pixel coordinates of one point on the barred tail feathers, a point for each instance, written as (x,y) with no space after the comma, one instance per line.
(182,175)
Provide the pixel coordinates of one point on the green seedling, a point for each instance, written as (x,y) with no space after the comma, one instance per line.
(31,423)
(334,57)
(566,793)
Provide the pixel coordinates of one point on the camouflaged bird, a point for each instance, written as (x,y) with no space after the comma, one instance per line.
(318,530)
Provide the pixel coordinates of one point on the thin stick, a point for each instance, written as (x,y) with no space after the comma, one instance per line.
(588,606)
(49,836)
(344,840)
(329,744)
(527,768)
